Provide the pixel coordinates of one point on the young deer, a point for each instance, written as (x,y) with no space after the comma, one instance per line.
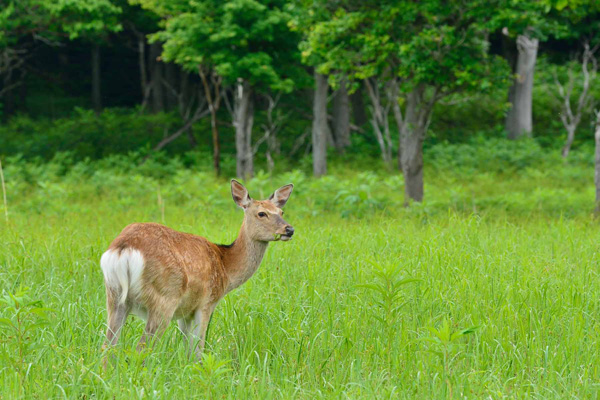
(160,274)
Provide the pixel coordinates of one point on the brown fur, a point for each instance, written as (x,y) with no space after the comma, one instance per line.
(185,275)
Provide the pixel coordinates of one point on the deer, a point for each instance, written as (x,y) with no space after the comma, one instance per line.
(161,274)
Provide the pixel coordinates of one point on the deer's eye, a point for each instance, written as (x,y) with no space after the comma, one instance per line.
(262,214)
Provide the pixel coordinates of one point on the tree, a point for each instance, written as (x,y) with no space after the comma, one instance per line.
(92,21)
(578,20)
(425,50)
(320,129)
(21,23)
(523,25)
(571,116)
(245,42)
(597,162)
(49,22)
(519,116)
(155,77)
(341,117)
(307,15)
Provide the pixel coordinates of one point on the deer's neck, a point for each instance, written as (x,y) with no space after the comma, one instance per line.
(242,259)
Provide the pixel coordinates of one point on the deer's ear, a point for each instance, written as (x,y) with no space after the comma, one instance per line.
(281,195)
(240,194)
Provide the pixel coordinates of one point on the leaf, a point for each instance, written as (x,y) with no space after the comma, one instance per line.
(409,280)
(470,330)
(7,322)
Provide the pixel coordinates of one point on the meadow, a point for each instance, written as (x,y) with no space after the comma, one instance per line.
(489,289)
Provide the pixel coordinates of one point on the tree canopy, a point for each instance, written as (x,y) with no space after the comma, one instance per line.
(240,39)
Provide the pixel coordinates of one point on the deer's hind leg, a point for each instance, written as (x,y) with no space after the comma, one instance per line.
(117,314)
(159,318)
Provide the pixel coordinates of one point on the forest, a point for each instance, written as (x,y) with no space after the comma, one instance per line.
(270,83)
(445,157)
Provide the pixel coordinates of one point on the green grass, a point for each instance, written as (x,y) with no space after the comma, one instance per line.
(513,256)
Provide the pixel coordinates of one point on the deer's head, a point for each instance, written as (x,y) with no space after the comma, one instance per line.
(263,219)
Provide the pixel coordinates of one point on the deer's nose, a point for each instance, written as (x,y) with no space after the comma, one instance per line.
(289,231)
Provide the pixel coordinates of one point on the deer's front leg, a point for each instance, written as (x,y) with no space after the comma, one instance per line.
(200,326)
(186,325)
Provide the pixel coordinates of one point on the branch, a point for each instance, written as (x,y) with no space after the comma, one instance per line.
(197,116)
(565,116)
(299,142)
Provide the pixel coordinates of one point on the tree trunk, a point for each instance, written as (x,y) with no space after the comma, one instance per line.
(243,120)
(144,86)
(358,107)
(158,103)
(518,118)
(8,106)
(186,98)
(96,96)
(570,137)
(569,117)
(213,106)
(320,129)
(341,118)
(171,79)
(379,119)
(394,93)
(414,128)
(597,163)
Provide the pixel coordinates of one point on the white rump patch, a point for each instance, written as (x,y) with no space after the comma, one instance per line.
(123,272)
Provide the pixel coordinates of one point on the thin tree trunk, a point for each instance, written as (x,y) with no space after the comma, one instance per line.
(569,117)
(358,107)
(414,128)
(243,121)
(570,137)
(341,118)
(186,99)
(8,100)
(380,120)
(171,78)
(394,93)
(519,118)
(320,129)
(597,163)
(144,86)
(158,103)
(196,117)
(96,95)
(213,106)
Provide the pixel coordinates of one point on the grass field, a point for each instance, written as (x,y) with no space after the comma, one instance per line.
(490,289)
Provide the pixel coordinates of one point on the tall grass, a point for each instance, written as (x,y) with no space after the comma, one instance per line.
(487,290)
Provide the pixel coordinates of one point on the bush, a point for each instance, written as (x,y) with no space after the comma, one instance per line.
(87,135)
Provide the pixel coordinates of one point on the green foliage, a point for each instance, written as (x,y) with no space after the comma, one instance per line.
(494,155)
(210,370)
(21,318)
(386,286)
(445,343)
(18,16)
(85,135)
(240,39)
(84,18)
(549,103)
(52,19)
(435,43)
(514,252)
(577,19)
(523,17)
(486,175)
